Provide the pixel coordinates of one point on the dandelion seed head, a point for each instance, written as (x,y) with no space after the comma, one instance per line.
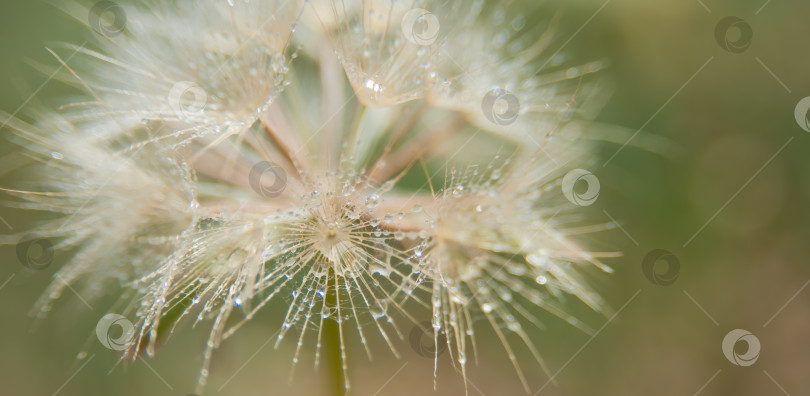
(379,153)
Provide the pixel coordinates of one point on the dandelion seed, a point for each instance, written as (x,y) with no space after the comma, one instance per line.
(219,158)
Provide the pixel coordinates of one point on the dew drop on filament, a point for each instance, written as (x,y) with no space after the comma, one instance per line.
(378,308)
(374,88)
(373,201)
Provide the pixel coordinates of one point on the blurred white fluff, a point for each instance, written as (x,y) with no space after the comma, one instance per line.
(205,67)
(150,173)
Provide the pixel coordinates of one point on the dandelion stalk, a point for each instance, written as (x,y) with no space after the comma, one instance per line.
(334,353)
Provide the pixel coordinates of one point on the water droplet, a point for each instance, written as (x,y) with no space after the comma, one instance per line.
(388,186)
(379,270)
(327,312)
(373,201)
(408,287)
(518,23)
(377,308)
(320,269)
(539,261)
(348,189)
(372,86)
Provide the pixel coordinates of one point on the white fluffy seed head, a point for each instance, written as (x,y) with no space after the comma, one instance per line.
(230,154)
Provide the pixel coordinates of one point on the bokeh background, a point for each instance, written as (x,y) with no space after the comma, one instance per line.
(728,200)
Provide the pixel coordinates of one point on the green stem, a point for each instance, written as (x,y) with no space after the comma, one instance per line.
(331,341)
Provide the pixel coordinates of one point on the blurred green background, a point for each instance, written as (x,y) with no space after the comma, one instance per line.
(736,190)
